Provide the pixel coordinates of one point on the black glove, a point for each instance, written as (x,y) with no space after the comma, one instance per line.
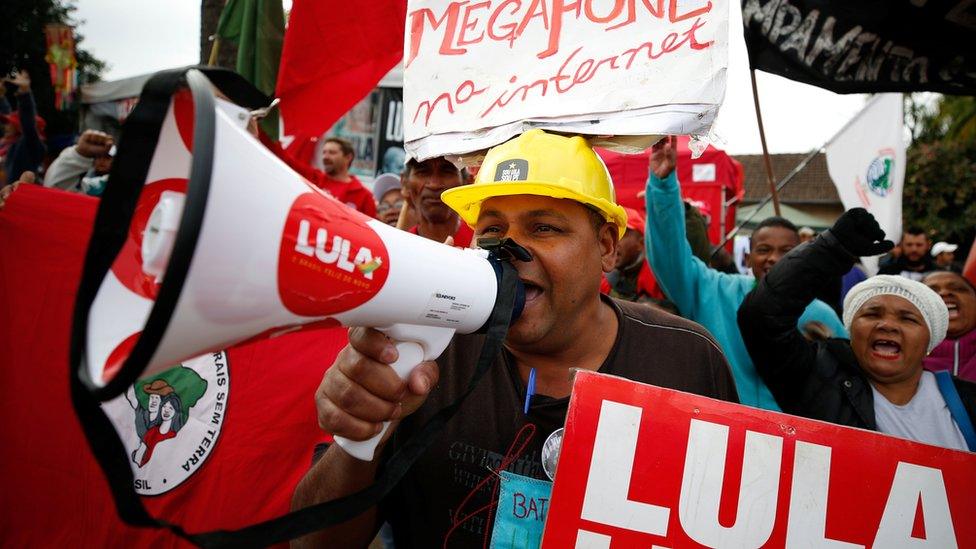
(858,231)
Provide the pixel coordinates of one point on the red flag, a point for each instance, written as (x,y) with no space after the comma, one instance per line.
(334,54)
(969,270)
(56,493)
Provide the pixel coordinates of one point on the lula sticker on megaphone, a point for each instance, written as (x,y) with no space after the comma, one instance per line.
(330,259)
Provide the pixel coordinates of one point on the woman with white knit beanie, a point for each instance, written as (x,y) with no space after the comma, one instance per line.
(875,380)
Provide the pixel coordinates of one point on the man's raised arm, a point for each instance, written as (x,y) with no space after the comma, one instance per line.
(677,270)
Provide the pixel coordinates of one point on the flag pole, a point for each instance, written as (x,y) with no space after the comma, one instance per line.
(779,186)
(796,170)
(214,49)
(762,138)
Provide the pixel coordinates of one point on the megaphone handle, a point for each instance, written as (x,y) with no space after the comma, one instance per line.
(411,355)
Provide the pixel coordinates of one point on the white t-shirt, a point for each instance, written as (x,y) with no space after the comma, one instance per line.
(925,418)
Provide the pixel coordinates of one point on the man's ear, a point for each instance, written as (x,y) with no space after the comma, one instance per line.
(608,236)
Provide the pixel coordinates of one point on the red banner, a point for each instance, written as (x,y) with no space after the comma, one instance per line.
(334,53)
(60,56)
(709,181)
(643,466)
(55,493)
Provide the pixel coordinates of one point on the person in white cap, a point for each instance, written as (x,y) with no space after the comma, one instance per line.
(806,234)
(875,380)
(387,191)
(944,254)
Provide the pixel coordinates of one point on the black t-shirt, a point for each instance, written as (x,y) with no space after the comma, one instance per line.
(448,497)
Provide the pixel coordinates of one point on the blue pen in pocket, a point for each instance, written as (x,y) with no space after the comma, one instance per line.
(529,391)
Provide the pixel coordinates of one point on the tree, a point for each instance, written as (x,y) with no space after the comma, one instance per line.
(940,178)
(933,117)
(940,190)
(22,46)
(957,114)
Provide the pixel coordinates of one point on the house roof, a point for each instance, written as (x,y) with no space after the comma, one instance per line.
(800,218)
(811,186)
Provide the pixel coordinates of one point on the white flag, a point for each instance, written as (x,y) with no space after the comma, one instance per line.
(866,161)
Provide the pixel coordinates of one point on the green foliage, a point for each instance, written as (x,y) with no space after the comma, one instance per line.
(932,117)
(958,114)
(22,46)
(940,190)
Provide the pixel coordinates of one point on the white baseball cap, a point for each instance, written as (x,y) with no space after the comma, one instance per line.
(385,183)
(941,247)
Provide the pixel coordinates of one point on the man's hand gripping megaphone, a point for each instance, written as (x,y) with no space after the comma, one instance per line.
(385,374)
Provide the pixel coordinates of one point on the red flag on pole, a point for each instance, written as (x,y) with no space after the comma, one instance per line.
(334,54)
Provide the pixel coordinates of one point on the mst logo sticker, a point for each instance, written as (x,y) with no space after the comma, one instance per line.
(880,173)
(170,421)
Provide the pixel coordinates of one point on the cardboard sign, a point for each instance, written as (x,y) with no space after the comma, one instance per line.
(643,466)
(476,73)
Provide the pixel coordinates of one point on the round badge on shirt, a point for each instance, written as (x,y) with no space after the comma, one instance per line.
(550,452)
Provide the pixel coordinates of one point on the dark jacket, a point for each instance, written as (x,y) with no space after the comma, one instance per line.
(28,151)
(818,380)
(900,265)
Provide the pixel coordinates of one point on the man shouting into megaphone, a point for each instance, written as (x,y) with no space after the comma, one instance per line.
(553,196)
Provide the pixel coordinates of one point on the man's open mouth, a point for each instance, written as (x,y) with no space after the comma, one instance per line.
(953,310)
(886,349)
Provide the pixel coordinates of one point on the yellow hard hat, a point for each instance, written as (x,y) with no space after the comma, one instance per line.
(542,164)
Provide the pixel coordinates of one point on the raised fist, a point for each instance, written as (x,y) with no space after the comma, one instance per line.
(664,156)
(858,231)
(93,144)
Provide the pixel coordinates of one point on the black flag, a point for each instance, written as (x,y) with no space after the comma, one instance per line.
(866,46)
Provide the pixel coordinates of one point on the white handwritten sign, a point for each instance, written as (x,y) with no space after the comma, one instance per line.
(480,71)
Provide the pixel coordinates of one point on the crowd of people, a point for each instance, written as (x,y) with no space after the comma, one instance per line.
(24,155)
(606,290)
(621,291)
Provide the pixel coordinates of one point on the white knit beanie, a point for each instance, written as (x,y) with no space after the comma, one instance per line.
(933,309)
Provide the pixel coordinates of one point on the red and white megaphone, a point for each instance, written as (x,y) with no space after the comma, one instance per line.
(204,239)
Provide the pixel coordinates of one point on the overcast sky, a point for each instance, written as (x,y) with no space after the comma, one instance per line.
(143,36)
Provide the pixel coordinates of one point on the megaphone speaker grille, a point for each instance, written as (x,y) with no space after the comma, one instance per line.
(112,355)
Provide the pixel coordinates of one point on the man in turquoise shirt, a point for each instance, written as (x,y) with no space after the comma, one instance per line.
(709,297)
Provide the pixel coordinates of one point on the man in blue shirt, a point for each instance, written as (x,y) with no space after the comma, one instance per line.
(707,296)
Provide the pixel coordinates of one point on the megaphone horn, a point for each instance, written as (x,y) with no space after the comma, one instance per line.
(204,239)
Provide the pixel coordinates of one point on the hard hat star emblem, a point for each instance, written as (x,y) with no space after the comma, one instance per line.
(511,166)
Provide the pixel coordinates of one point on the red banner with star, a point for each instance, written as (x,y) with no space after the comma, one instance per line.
(60,57)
